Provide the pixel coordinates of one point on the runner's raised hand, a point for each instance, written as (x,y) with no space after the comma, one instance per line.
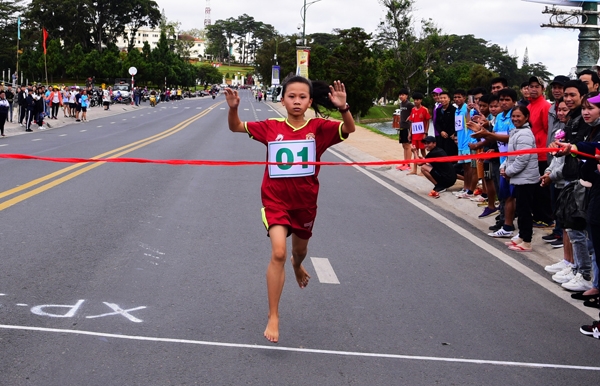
(232,98)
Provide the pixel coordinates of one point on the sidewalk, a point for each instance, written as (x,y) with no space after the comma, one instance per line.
(364,146)
(93,113)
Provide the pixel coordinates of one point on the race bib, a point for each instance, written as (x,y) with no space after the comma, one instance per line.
(458,122)
(287,152)
(418,128)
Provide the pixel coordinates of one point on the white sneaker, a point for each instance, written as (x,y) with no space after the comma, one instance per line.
(578,283)
(557,267)
(563,276)
(478,199)
(465,195)
(459,192)
(501,233)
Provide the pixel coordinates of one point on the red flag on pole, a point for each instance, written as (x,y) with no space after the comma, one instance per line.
(45,35)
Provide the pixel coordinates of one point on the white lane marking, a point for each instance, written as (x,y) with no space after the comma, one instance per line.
(246,109)
(2,294)
(112,123)
(63,135)
(198,108)
(324,270)
(124,119)
(258,110)
(175,107)
(301,350)
(37,139)
(6,144)
(99,126)
(22,305)
(222,108)
(133,116)
(489,248)
(269,110)
(82,131)
(186,107)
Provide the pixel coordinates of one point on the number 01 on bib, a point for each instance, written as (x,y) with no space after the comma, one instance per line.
(287,152)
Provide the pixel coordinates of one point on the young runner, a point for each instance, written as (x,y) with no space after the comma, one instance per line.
(289,193)
(419,118)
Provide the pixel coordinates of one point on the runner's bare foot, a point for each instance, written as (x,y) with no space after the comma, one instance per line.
(302,276)
(272,330)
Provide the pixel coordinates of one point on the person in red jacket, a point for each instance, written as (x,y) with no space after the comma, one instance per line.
(538,119)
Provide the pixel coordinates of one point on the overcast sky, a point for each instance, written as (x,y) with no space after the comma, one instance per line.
(513,24)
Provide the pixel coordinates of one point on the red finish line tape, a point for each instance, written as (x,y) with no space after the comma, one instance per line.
(481,156)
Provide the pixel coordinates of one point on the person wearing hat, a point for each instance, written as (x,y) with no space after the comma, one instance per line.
(55,101)
(539,109)
(441,174)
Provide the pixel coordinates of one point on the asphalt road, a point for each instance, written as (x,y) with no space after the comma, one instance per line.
(141,274)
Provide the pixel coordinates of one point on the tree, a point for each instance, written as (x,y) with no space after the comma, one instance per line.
(207,75)
(141,14)
(217,42)
(8,25)
(55,59)
(76,63)
(411,56)
(352,62)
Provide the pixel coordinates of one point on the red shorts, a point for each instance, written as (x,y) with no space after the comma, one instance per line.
(298,221)
(417,141)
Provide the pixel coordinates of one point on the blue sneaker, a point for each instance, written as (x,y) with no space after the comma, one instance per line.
(488,212)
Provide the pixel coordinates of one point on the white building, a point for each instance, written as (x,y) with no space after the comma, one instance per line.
(152,36)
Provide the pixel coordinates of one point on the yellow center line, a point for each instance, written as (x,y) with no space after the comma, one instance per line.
(113,153)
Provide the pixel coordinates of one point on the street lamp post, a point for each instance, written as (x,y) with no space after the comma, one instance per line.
(306,5)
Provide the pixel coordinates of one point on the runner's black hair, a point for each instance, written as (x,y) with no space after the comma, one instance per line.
(319,92)
(417,95)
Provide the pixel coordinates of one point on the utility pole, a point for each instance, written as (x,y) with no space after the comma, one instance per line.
(586,20)
(306,5)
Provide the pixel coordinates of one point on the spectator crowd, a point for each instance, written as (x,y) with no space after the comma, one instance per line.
(557,189)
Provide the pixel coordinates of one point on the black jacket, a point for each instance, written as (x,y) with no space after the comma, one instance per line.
(21,99)
(444,120)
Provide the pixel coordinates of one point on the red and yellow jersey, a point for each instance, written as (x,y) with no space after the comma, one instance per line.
(294,192)
(419,115)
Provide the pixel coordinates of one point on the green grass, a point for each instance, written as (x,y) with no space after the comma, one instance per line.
(232,70)
(376,113)
(379,113)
